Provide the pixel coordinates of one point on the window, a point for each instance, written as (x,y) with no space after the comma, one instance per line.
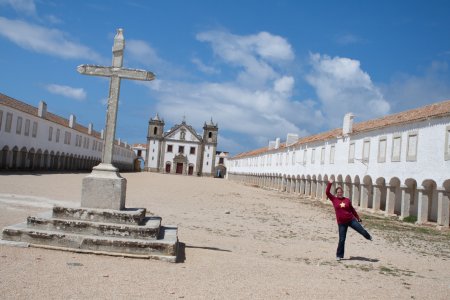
(19,125)
(366,150)
(67,137)
(181,149)
(192,150)
(169,148)
(332,150)
(447,142)
(382,149)
(35,127)
(87,143)
(27,127)
(396,147)
(8,122)
(155,130)
(209,134)
(50,133)
(221,160)
(305,156)
(351,153)
(313,156)
(322,155)
(411,152)
(1,119)
(58,132)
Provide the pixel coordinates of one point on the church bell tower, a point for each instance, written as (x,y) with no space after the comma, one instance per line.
(154,142)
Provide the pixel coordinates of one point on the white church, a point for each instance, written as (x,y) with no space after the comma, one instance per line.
(32,138)
(398,165)
(181,150)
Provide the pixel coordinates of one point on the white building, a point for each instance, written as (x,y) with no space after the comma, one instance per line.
(140,150)
(221,164)
(181,150)
(396,165)
(31,138)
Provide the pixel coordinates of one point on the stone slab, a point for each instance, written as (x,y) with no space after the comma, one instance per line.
(149,228)
(129,216)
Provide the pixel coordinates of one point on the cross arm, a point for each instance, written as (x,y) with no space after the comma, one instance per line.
(135,74)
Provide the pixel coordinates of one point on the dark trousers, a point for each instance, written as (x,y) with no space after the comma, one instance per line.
(343,234)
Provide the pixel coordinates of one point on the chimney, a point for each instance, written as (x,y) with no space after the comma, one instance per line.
(291,138)
(90,127)
(72,121)
(277,143)
(271,145)
(42,110)
(347,127)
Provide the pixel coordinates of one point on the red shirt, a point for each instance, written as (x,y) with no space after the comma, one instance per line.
(343,207)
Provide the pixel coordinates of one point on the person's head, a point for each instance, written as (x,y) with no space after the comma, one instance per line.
(339,192)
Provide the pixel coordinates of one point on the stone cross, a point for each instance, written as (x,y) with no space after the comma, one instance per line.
(104,188)
(116,73)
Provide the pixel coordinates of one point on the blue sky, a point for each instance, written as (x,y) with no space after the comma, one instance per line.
(261,69)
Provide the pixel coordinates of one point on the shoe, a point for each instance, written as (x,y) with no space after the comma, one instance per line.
(371,239)
(338,258)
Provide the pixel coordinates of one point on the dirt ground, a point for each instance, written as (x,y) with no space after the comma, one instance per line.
(238,242)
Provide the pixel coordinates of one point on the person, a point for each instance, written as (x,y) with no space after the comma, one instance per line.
(346,216)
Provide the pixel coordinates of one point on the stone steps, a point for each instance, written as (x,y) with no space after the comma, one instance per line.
(115,232)
(149,229)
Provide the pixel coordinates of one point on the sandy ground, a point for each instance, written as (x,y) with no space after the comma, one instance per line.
(240,242)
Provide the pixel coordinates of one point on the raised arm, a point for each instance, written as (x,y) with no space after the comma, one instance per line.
(329,195)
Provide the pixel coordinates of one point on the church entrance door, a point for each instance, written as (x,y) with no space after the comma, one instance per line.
(191,170)
(167,168)
(179,168)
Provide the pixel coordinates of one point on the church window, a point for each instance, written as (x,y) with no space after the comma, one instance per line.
(209,134)
(34,131)
(58,132)
(19,125)
(313,156)
(27,127)
(207,155)
(153,150)
(332,150)
(153,158)
(181,149)
(382,149)
(1,119)
(366,150)
(411,152)
(192,150)
(447,142)
(50,133)
(155,130)
(396,147)
(207,163)
(351,153)
(8,122)
(169,148)
(221,160)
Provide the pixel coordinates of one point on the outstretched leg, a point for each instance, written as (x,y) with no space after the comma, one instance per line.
(341,245)
(358,227)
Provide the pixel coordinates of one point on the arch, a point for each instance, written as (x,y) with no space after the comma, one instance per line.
(168,167)
(367,193)
(409,201)
(393,197)
(4,157)
(379,194)
(444,205)
(348,189)
(427,202)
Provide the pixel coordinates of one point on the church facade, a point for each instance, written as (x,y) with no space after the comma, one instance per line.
(181,150)
(397,165)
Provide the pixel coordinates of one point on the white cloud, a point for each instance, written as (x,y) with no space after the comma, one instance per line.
(44,40)
(255,54)
(347,39)
(342,86)
(67,91)
(22,6)
(204,68)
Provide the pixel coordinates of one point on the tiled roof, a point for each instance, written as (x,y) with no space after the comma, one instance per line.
(435,110)
(29,109)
